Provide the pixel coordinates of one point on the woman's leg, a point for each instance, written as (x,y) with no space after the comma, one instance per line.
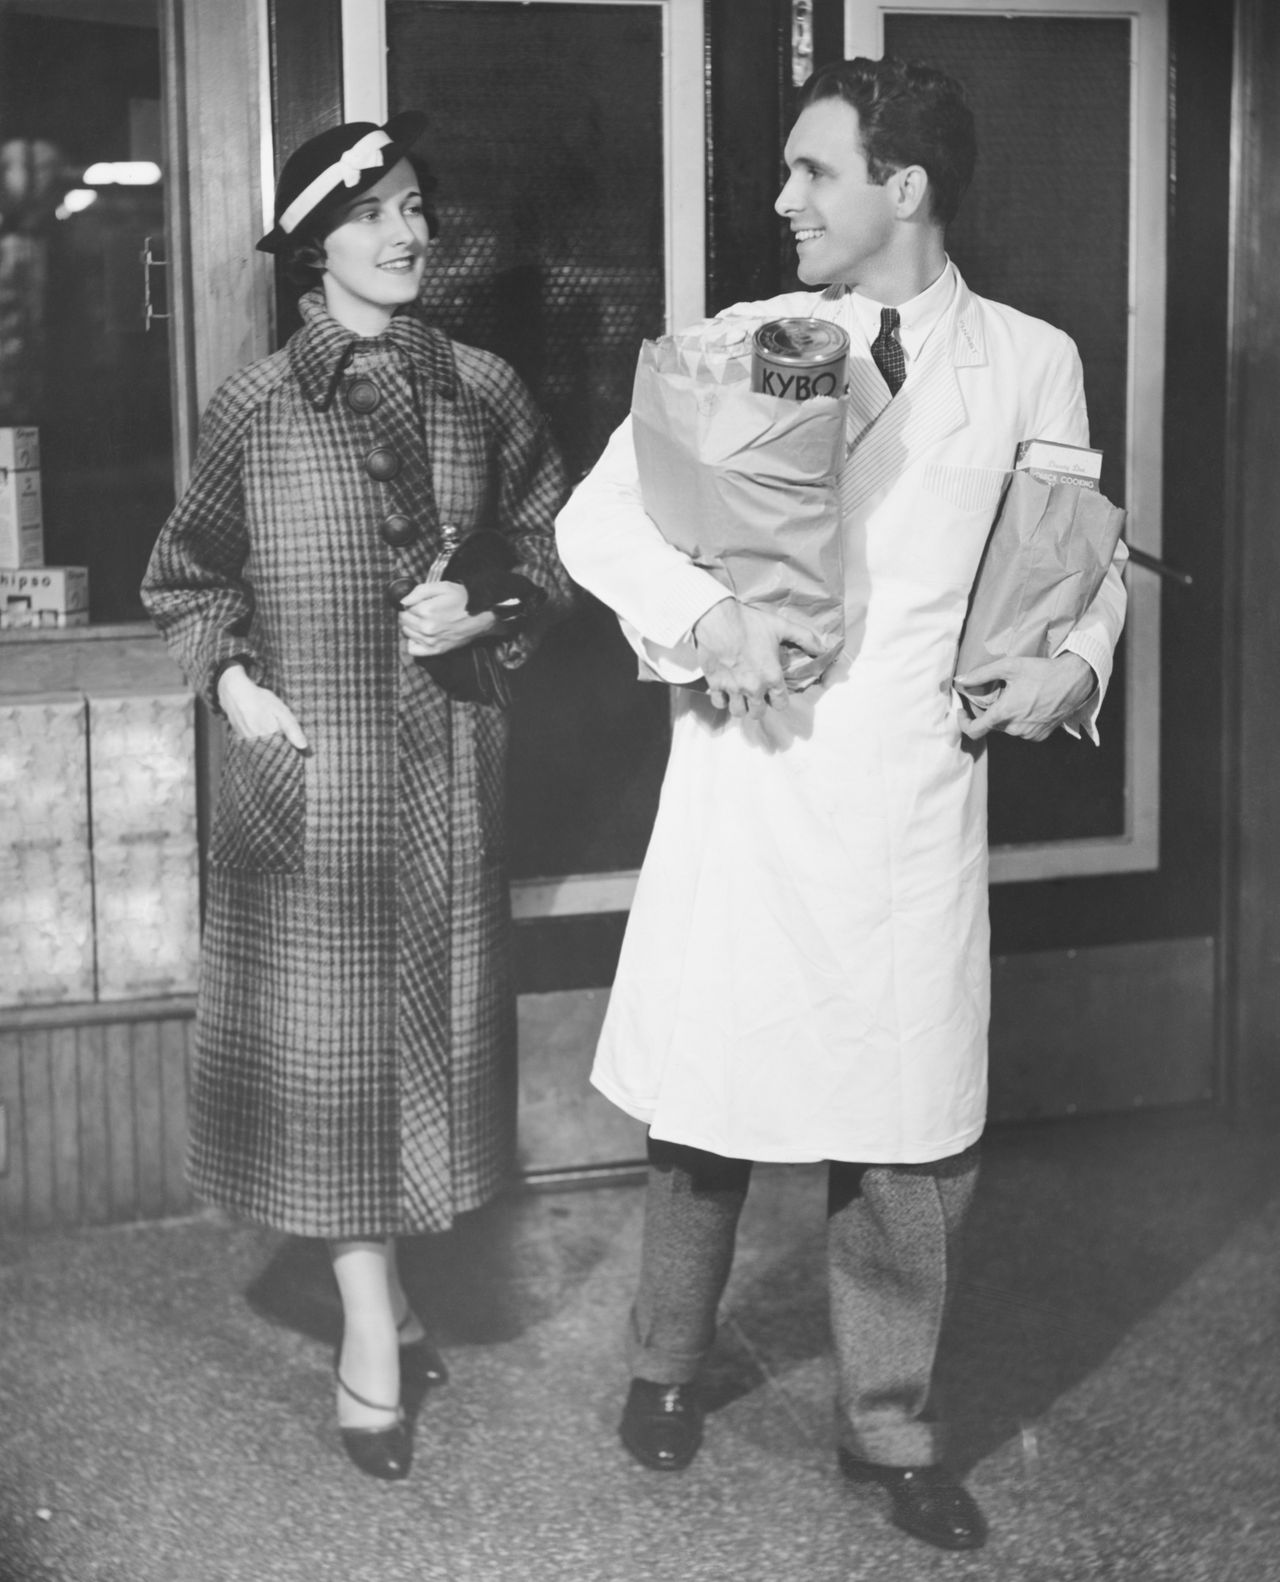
(369,1358)
(408,1326)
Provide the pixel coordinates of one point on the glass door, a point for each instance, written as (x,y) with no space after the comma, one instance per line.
(567,140)
(84,344)
(1066,220)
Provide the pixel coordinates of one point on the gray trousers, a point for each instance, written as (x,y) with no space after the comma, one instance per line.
(892,1235)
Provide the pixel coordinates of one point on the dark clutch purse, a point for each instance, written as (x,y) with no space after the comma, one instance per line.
(483,564)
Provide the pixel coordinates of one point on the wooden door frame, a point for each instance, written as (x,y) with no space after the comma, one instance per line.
(218,145)
(1250,997)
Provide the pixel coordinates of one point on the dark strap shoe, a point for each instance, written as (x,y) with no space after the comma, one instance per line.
(378,1452)
(420,1360)
(927,1502)
(661,1424)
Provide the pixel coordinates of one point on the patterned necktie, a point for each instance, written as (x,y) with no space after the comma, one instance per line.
(887,351)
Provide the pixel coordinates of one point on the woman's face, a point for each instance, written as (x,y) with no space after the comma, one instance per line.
(375,254)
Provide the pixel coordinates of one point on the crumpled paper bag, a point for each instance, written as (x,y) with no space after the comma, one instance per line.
(1049,549)
(745,484)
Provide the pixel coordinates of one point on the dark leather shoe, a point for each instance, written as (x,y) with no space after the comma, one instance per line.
(927,1502)
(379,1452)
(661,1424)
(421,1364)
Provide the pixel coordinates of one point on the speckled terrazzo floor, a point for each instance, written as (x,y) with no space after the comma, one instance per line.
(1112,1371)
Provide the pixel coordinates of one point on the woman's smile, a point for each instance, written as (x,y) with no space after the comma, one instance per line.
(374,257)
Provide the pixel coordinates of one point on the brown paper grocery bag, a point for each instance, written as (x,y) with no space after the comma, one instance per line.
(1049,549)
(747,485)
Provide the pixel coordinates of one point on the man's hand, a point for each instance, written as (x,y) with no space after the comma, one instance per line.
(739,649)
(434,618)
(1032,696)
(256,711)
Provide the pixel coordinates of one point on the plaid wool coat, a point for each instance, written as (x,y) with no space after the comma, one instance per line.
(355,1059)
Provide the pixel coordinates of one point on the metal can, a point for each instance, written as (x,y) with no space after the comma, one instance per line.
(799,358)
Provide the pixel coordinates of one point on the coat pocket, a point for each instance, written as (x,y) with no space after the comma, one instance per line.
(967,488)
(262,807)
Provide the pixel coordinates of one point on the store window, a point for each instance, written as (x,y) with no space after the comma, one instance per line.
(84,344)
(1066,221)
(572,213)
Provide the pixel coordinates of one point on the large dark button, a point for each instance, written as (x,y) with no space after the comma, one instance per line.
(382,464)
(398,531)
(363,395)
(400,589)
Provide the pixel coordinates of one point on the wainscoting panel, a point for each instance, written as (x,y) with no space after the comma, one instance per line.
(565,1125)
(1112,1028)
(95,1113)
(95,1119)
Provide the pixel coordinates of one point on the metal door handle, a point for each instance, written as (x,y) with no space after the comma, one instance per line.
(150,262)
(1162,568)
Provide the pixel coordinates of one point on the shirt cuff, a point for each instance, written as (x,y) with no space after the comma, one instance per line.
(687,594)
(676,663)
(1097,656)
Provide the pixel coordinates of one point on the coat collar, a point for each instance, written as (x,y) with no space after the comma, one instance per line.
(882,432)
(968,339)
(320,351)
(964,330)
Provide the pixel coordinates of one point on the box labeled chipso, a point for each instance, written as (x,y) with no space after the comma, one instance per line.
(44,596)
(20,449)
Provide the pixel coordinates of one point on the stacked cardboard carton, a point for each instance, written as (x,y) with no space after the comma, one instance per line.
(145,857)
(31,593)
(99,890)
(46,874)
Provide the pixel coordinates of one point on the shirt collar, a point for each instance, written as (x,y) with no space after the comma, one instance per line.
(321,350)
(917,318)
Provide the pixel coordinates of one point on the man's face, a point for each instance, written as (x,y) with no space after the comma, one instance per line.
(842,221)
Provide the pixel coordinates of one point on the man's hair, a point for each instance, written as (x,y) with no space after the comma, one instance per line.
(302,256)
(909,114)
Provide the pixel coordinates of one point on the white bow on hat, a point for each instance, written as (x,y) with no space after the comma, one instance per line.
(364,154)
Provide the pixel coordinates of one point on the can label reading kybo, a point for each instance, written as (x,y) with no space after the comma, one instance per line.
(799,358)
(797,386)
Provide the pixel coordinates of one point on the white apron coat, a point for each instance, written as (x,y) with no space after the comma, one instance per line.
(805,973)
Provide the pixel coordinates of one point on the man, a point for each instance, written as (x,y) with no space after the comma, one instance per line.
(806,969)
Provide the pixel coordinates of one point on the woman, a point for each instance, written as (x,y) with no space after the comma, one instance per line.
(354,1073)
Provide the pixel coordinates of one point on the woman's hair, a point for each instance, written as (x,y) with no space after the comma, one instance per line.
(908,114)
(302,256)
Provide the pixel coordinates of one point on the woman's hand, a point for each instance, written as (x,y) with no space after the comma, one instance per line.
(256,711)
(434,619)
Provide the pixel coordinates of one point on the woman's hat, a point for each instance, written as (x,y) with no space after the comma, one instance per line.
(334,167)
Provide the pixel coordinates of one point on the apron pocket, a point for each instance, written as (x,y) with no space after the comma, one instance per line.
(262,807)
